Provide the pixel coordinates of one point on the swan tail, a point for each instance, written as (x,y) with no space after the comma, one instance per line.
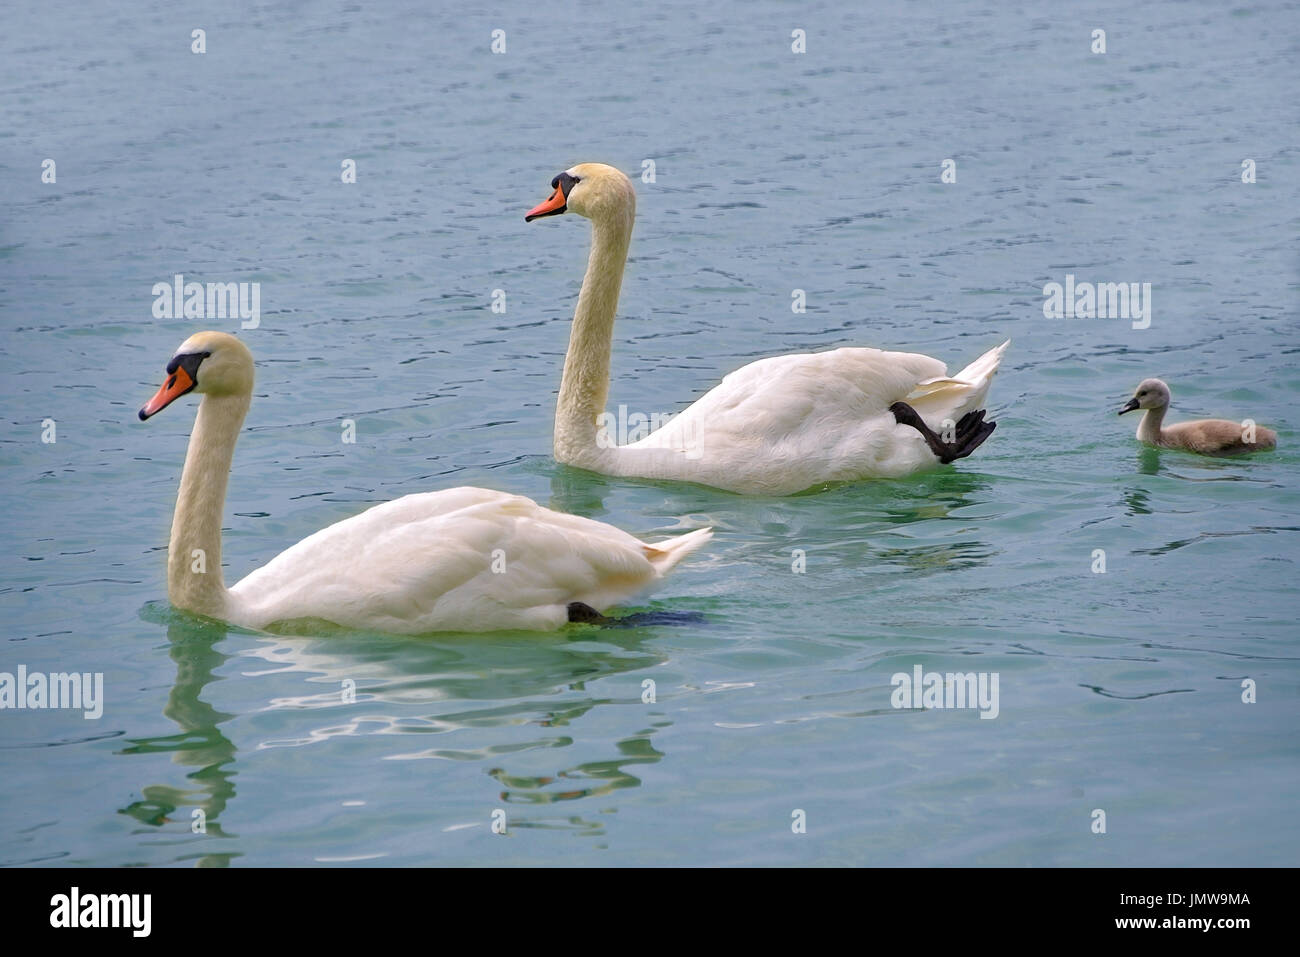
(945,397)
(980,372)
(666,554)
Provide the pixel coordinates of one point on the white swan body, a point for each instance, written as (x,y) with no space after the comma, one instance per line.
(462,559)
(784,424)
(776,426)
(425,563)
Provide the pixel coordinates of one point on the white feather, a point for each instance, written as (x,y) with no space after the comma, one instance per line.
(466,559)
(784,424)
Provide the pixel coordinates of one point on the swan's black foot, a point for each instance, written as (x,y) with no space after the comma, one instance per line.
(585,614)
(970,433)
(974,436)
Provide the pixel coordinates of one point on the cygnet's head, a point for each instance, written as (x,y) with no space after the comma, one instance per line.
(210,363)
(593,190)
(1150,394)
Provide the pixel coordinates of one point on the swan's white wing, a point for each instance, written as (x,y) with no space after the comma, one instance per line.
(778,396)
(782,424)
(942,398)
(787,423)
(462,559)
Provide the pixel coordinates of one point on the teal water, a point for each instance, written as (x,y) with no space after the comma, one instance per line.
(1119,691)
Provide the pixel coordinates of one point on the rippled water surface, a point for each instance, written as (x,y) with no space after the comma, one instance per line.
(1119,691)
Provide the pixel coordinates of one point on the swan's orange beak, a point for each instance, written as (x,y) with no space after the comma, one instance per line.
(177,384)
(552,207)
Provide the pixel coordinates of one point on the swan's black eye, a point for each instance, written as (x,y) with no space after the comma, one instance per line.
(190,361)
(565,183)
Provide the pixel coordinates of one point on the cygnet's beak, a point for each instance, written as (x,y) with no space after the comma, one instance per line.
(1132,404)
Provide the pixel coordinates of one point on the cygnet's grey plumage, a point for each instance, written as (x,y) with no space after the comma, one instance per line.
(1206,436)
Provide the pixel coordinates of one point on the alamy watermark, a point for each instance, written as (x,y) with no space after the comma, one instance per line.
(75,909)
(933,689)
(1104,300)
(179,299)
(624,428)
(37,690)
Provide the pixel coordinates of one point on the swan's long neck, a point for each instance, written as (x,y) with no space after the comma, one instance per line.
(1149,428)
(585,384)
(194,580)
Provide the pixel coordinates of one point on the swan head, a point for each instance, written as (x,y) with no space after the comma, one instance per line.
(593,190)
(1150,394)
(210,363)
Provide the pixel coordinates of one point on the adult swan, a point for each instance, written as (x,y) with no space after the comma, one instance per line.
(464,559)
(775,426)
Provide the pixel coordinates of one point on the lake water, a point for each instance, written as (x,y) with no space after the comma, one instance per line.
(774,171)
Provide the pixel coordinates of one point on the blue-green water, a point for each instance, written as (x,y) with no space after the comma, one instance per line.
(1120,691)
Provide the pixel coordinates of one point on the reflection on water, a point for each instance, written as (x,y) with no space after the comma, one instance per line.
(1148,460)
(1183,466)
(924,559)
(509,668)
(1136,497)
(477,692)
(577,491)
(1208,536)
(933,494)
(930,494)
(589,779)
(1136,500)
(200,745)
(1222,468)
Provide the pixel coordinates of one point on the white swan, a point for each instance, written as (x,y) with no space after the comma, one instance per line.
(776,426)
(464,559)
(1205,436)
